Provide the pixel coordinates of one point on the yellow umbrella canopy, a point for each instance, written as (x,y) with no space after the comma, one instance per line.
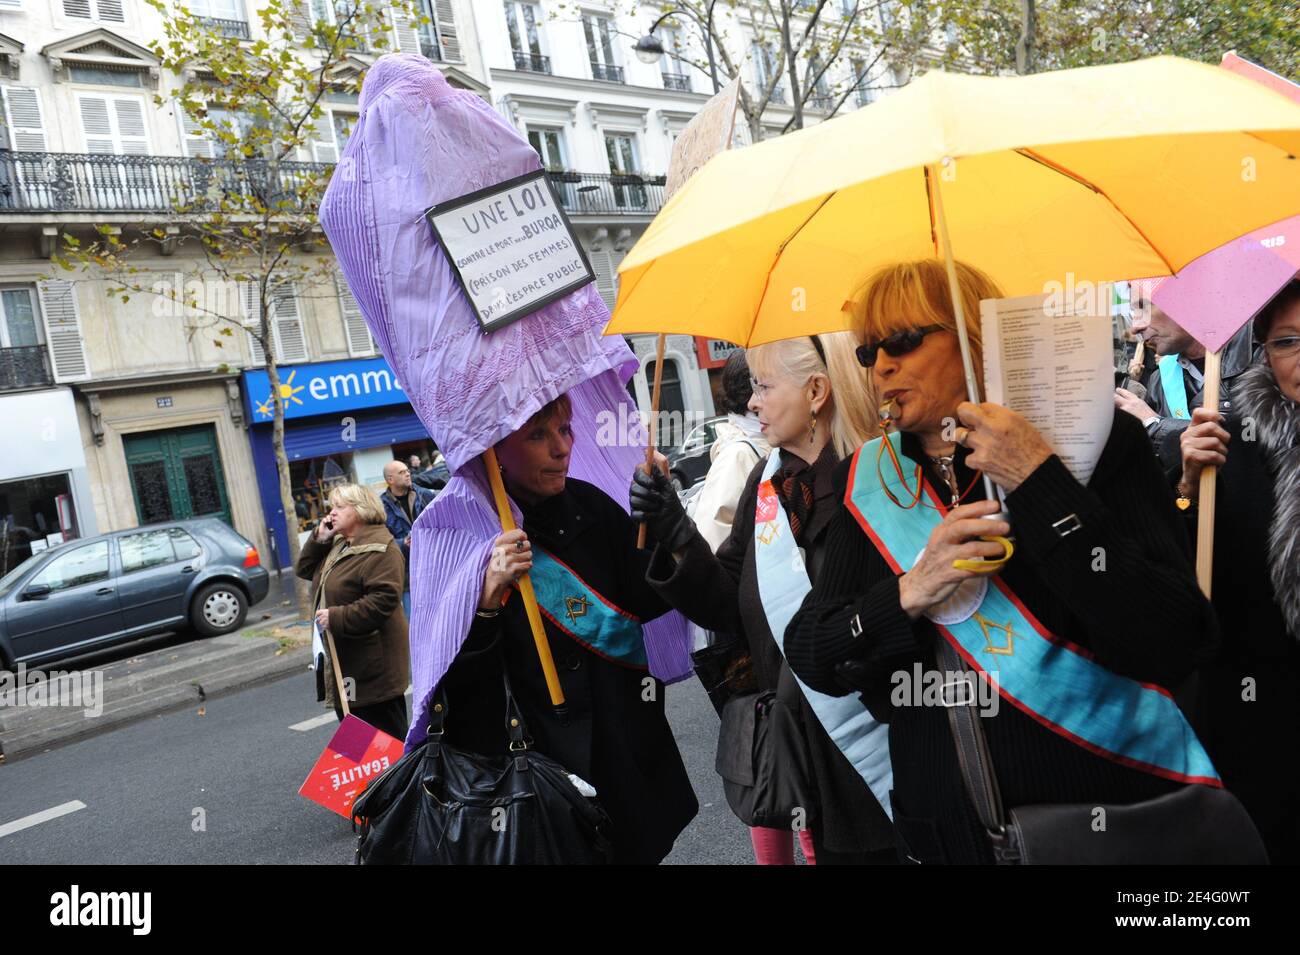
(1093,174)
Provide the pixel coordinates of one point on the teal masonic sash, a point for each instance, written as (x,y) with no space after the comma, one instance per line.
(782,585)
(1047,677)
(578,609)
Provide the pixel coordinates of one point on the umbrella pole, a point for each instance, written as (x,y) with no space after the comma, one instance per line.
(654,425)
(525,584)
(967,363)
(1209,477)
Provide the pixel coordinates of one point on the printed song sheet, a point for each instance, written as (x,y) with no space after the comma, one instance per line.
(1052,361)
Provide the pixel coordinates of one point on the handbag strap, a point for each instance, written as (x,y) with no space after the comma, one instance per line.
(972,747)
(516,729)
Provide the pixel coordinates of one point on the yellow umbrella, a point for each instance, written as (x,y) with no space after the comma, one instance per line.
(1102,173)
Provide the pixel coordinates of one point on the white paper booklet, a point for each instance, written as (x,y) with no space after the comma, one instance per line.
(1052,361)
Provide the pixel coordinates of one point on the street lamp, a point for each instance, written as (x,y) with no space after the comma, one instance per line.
(649,48)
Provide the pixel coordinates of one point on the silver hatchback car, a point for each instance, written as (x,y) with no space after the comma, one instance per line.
(86,594)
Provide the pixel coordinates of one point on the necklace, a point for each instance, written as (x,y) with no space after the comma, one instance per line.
(944,463)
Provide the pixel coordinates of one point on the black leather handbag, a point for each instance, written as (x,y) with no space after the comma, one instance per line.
(1194,825)
(763,762)
(439,805)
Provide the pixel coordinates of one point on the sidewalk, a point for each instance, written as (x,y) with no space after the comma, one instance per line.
(94,700)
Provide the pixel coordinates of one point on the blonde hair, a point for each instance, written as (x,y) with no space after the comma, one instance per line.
(910,295)
(852,419)
(370,510)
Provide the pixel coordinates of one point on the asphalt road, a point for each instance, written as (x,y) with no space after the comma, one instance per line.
(235,765)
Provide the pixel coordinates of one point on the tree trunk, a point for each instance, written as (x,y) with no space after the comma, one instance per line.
(1028,37)
(282,459)
(796,94)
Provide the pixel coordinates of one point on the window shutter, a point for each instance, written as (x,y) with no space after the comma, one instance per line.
(96,125)
(77,8)
(290,343)
(300,18)
(63,330)
(605,265)
(194,138)
(252,317)
(322,147)
(132,136)
(110,11)
(25,126)
(446,27)
(360,341)
(404,35)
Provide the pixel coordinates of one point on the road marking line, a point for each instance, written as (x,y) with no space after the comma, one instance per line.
(36,818)
(314,722)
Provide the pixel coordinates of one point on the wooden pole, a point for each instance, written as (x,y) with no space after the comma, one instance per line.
(654,425)
(525,583)
(1209,478)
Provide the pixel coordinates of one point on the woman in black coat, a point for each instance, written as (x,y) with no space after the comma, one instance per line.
(1246,710)
(1078,552)
(615,735)
(800,402)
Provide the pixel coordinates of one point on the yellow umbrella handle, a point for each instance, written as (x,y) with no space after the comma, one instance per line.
(988,565)
(654,425)
(525,583)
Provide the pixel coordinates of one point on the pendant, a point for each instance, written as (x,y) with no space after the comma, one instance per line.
(961,604)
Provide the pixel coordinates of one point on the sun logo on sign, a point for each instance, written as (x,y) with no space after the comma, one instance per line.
(288,393)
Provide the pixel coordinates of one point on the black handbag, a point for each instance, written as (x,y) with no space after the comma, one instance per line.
(1194,825)
(763,763)
(725,669)
(439,805)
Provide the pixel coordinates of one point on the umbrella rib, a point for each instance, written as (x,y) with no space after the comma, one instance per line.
(1070,174)
(776,259)
(929,206)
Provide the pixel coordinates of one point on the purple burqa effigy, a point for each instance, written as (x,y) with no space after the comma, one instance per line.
(419,142)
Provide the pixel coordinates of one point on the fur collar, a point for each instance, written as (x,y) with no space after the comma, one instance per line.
(1276,420)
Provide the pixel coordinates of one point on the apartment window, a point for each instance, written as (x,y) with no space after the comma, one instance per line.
(821,94)
(600,48)
(861,82)
(522,21)
(549,144)
(218,9)
(343,123)
(765,68)
(629,190)
(102,76)
(671,65)
(21,327)
(106,11)
(331,12)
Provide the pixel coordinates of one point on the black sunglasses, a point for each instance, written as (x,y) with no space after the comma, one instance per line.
(895,345)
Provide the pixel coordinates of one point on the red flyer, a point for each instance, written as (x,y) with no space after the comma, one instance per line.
(355,755)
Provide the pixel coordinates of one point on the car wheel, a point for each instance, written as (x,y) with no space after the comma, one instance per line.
(218,608)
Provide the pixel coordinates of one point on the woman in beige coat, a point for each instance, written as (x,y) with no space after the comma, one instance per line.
(357,575)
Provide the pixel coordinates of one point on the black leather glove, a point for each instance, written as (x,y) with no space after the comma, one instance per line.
(654,502)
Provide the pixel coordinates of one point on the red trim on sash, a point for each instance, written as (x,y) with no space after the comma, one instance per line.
(1037,627)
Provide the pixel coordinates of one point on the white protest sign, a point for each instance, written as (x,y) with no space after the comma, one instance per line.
(512,248)
(706,135)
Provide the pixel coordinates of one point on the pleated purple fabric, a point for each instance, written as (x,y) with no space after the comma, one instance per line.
(418,142)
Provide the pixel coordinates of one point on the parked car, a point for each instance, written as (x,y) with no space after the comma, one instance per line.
(689,462)
(97,591)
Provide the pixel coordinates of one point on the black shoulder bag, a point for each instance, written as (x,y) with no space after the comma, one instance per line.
(1194,825)
(442,806)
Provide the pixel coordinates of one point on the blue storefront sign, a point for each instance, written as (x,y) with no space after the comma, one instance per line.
(329,407)
(323,388)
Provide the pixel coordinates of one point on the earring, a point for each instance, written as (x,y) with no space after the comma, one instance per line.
(812,433)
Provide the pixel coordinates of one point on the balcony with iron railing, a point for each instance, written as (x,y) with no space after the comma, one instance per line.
(235,29)
(26,366)
(608,194)
(822,101)
(168,185)
(532,62)
(610,74)
(677,81)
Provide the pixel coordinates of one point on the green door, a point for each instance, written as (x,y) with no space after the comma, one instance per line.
(176,474)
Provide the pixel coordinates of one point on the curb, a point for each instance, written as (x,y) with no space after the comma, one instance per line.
(214,667)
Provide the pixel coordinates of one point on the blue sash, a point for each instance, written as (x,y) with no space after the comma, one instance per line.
(1057,683)
(1171,383)
(782,585)
(575,607)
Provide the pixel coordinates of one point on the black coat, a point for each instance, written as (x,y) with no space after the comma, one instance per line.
(616,736)
(721,593)
(1252,737)
(1142,616)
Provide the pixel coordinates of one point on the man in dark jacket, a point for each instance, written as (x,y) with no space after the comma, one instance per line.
(1180,372)
(402,505)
